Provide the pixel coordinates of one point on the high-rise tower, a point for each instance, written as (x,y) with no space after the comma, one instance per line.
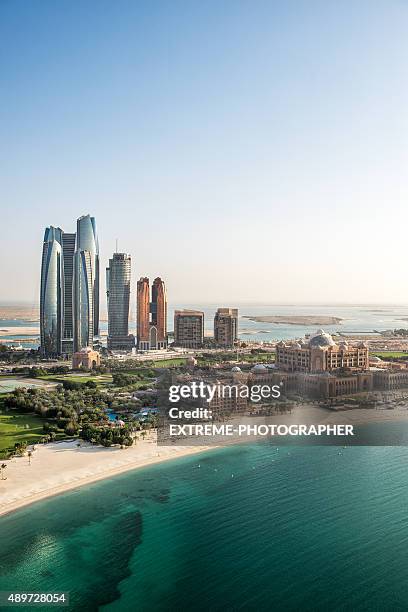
(68,251)
(51,293)
(143,309)
(83,301)
(118,296)
(158,309)
(151,315)
(87,240)
(86,284)
(69,294)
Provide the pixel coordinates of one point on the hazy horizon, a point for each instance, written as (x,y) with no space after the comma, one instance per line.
(218,304)
(244,152)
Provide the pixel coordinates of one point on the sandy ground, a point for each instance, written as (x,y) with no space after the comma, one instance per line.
(19,331)
(62,466)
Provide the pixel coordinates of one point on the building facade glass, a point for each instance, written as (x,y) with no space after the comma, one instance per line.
(87,240)
(118,277)
(83,301)
(68,251)
(51,293)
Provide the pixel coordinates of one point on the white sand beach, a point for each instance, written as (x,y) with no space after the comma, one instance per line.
(59,467)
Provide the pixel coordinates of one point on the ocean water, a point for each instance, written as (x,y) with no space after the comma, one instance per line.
(357,318)
(242,528)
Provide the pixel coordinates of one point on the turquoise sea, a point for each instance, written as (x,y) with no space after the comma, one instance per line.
(242,528)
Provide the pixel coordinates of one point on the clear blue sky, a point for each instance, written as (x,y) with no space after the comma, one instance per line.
(249,150)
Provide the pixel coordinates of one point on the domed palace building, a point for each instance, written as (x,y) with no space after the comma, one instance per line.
(321,354)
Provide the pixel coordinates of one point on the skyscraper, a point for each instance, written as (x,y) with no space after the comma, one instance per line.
(118,296)
(51,293)
(151,315)
(69,294)
(83,300)
(87,240)
(68,251)
(143,310)
(158,309)
(226,326)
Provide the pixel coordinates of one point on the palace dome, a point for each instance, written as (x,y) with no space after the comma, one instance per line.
(321,339)
(258,368)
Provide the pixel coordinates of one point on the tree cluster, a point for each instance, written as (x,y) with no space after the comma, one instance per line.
(107,436)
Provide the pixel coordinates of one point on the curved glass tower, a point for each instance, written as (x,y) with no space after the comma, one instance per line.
(51,293)
(83,300)
(69,294)
(87,240)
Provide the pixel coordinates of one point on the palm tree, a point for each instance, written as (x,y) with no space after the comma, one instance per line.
(3,466)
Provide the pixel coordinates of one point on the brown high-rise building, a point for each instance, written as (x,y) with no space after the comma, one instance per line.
(151,315)
(226,326)
(143,313)
(189,328)
(158,309)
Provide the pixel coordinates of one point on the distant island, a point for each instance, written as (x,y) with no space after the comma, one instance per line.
(296,320)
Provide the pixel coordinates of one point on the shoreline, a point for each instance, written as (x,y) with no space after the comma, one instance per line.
(60,467)
(38,481)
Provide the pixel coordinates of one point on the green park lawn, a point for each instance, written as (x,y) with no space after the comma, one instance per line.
(16,427)
(167,363)
(242,358)
(385,354)
(102,380)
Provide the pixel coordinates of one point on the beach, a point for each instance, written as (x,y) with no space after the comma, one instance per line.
(61,466)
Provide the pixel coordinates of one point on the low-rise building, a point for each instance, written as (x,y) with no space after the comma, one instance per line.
(390,379)
(189,328)
(321,354)
(86,358)
(226,327)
